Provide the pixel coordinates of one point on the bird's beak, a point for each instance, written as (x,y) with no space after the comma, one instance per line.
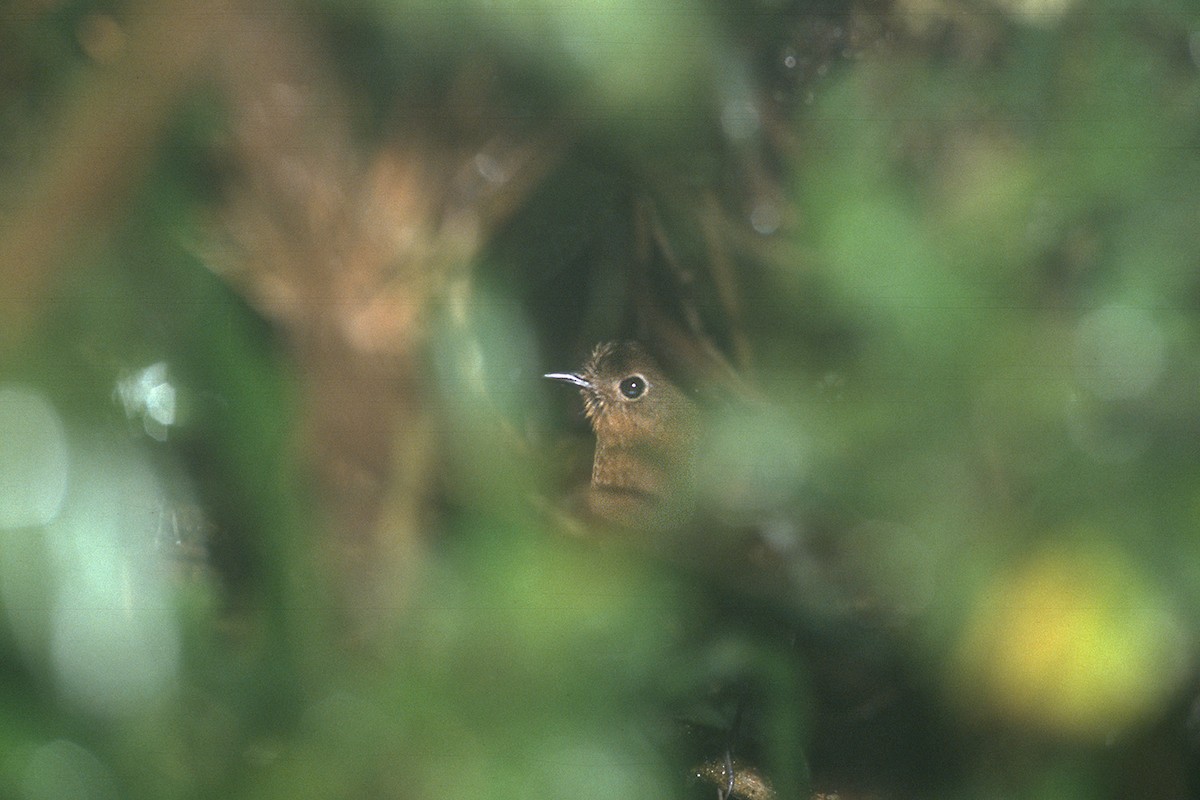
(569,377)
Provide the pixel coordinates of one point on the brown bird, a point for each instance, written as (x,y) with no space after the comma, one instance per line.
(647,438)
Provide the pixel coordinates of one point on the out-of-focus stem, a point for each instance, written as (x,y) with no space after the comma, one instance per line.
(101,145)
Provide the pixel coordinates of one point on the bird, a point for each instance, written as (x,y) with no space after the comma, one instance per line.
(657,469)
(647,432)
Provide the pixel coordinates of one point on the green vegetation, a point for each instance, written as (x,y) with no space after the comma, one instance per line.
(286,509)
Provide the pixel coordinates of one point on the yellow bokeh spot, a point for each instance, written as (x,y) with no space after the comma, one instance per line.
(1073,641)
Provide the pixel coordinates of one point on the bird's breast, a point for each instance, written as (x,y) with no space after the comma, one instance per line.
(639,485)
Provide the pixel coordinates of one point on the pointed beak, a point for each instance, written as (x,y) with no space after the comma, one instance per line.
(569,377)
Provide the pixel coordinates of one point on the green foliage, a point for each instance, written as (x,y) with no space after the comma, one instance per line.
(975,331)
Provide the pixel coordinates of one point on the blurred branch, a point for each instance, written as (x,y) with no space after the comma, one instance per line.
(100,148)
(351,251)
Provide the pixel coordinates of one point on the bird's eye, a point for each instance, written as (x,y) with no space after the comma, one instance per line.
(633,387)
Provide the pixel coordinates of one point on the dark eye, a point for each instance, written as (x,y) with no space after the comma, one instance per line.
(633,387)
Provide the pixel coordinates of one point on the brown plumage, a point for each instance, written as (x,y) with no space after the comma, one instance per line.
(647,437)
(736,781)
